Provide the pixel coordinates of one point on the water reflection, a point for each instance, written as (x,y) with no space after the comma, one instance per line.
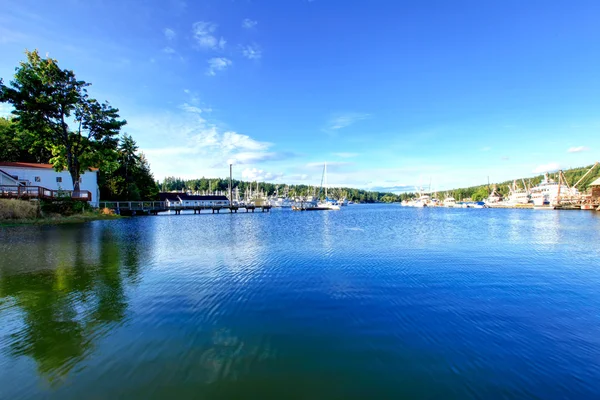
(70,291)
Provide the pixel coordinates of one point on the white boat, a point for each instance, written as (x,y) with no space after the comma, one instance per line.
(424,200)
(494,197)
(328,203)
(449,202)
(518,195)
(549,192)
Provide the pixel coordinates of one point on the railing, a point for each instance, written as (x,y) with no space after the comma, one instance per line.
(133,205)
(39,192)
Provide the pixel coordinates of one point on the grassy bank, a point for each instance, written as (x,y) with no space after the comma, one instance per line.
(22,212)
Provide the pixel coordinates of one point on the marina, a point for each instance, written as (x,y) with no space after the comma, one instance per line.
(549,194)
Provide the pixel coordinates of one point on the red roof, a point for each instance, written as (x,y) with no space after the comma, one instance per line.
(30,165)
(25,165)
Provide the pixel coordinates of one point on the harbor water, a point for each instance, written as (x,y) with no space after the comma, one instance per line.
(373,301)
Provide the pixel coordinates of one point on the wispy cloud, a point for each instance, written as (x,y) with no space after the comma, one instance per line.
(486,148)
(577,149)
(345,155)
(169,50)
(217,64)
(196,147)
(191,109)
(332,166)
(256,174)
(169,33)
(252,52)
(344,120)
(550,167)
(248,23)
(204,35)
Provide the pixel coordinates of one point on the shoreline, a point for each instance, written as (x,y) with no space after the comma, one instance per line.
(60,220)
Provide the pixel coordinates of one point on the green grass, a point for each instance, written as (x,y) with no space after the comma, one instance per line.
(21,212)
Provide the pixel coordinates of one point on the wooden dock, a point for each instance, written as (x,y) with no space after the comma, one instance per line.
(155,207)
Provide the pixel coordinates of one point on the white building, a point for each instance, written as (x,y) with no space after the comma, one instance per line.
(44,176)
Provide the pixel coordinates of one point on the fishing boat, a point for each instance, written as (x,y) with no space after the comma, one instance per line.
(494,197)
(548,193)
(518,195)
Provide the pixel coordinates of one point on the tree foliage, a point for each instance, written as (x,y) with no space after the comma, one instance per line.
(56,121)
(222,185)
(51,102)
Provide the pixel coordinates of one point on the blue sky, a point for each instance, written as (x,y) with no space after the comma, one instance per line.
(391,94)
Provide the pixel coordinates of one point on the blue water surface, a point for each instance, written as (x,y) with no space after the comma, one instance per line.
(373,301)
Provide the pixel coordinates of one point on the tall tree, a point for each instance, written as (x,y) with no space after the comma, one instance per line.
(51,102)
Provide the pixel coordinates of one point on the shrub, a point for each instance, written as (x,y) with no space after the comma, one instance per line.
(18,209)
(107,211)
(66,206)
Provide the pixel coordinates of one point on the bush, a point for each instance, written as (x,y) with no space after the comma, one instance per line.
(64,207)
(18,209)
(107,211)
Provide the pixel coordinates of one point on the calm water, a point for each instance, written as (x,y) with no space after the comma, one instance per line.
(370,302)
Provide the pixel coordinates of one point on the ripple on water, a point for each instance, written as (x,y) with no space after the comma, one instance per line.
(373,301)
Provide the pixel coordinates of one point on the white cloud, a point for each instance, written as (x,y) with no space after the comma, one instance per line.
(486,148)
(169,50)
(546,168)
(344,120)
(169,33)
(345,155)
(183,143)
(204,34)
(256,174)
(192,109)
(217,64)
(252,52)
(577,149)
(248,23)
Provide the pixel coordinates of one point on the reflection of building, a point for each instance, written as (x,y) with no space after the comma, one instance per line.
(188,200)
(44,175)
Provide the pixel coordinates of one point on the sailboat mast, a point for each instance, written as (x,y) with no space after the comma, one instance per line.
(325,172)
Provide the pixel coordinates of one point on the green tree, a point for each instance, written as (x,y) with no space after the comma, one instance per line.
(480,194)
(51,102)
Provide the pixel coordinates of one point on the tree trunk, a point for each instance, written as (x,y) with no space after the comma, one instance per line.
(75,178)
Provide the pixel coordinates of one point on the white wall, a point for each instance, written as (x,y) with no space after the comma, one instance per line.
(5,180)
(47,178)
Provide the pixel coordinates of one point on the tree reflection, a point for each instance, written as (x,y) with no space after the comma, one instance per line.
(77,296)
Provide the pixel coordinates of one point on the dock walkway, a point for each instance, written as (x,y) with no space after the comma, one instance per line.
(155,207)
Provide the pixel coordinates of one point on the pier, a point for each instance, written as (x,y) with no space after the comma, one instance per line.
(155,207)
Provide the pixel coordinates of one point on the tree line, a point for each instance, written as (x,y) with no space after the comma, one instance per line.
(55,120)
(222,185)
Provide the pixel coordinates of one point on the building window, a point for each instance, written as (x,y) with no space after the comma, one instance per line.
(59,179)
(38,179)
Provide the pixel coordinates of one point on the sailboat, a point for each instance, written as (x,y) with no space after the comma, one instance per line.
(328,203)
